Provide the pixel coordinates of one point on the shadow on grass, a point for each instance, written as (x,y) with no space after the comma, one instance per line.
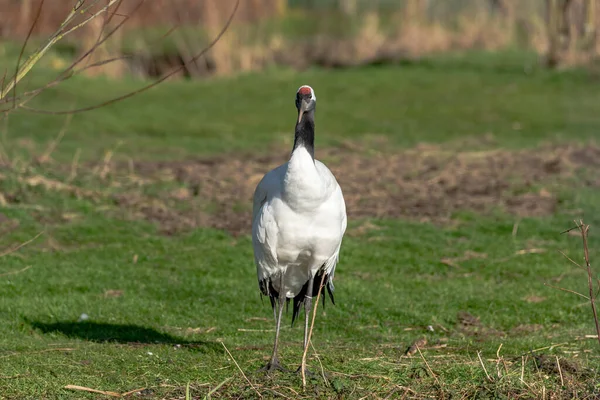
(118,333)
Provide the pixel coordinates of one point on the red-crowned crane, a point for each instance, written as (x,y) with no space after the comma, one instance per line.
(298,221)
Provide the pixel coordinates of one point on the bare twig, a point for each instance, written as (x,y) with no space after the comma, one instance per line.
(312,324)
(242,372)
(6,90)
(567,290)
(110,9)
(151,85)
(21,72)
(584,229)
(570,259)
(74,165)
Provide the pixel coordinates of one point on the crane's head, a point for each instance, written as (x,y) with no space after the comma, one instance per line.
(305,100)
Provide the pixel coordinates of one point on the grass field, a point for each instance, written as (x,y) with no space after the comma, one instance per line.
(459,173)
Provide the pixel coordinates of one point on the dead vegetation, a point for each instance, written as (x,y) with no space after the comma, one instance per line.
(426,183)
(562,31)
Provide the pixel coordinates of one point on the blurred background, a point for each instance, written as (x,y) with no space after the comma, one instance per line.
(464,134)
(301,33)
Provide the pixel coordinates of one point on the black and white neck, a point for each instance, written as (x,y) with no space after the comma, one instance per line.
(305,133)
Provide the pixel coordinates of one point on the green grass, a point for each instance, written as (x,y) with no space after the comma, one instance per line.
(434,101)
(159,307)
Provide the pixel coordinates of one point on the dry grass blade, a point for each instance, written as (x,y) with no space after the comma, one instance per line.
(90,390)
(15,80)
(37,352)
(5,252)
(45,157)
(213,391)
(428,367)
(562,382)
(242,372)
(484,368)
(312,324)
(320,364)
(131,392)
(15,272)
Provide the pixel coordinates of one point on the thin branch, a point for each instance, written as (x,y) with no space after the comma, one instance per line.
(584,229)
(71,71)
(567,290)
(58,35)
(570,259)
(569,230)
(29,33)
(151,85)
(35,57)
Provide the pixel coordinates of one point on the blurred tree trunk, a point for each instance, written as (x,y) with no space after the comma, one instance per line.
(590,30)
(503,8)
(280,7)
(415,11)
(24,15)
(94,31)
(348,7)
(560,31)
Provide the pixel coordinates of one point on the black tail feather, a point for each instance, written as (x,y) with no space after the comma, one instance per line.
(299,298)
(267,289)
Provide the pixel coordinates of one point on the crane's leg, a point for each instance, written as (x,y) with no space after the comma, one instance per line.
(307,307)
(274,363)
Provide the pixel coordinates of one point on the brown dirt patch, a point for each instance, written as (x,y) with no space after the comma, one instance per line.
(470,325)
(425,183)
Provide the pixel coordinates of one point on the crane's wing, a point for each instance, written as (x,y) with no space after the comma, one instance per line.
(265,231)
(339,204)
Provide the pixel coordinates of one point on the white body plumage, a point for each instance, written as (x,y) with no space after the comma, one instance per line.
(299,219)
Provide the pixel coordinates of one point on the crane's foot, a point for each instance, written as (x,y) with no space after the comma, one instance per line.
(307,372)
(273,365)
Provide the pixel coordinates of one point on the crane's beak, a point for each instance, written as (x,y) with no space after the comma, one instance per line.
(303,107)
